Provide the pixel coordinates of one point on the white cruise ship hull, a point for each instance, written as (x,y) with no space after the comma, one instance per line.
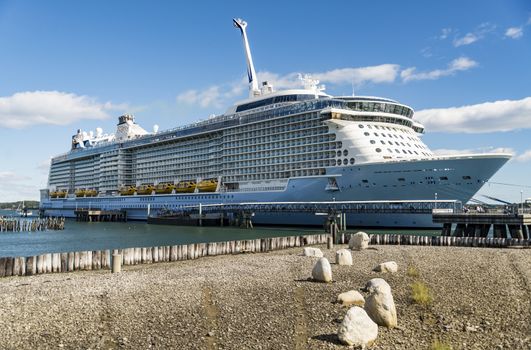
(443,178)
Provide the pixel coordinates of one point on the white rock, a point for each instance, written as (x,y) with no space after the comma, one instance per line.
(377,284)
(389,266)
(357,328)
(309,251)
(359,241)
(380,307)
(322,271)
(343,257)
(352,297)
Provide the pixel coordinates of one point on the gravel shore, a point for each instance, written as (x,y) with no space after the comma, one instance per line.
(481,300)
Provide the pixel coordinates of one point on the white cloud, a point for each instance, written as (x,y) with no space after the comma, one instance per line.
(218,95)
(485,117)
(24,109)
(445,32)
(459,64)
(514,32)
(524,157)
(445,151)
(384,73)
(468,39)
(479,33)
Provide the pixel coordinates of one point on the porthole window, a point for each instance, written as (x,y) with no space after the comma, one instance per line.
(366,133)
(339,153)
(360,126)
(382,142)
(352,161)
(345,153)
(378,150)
(375,134)
(345,161)
(373,142)
(389,150)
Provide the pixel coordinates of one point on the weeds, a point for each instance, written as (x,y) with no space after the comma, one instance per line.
(412,271)
(420,293)
(439,345)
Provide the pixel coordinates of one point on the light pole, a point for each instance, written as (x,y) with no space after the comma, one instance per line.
(522,200)
(435,200)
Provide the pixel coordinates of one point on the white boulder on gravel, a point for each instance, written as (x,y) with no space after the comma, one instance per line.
(352,297)
(380,305)
(343,257)
(322,271)
(389,266)
(357,329)
(310,251)
(377,284)
(359,241)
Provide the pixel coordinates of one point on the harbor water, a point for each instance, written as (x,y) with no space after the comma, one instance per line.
(81,236)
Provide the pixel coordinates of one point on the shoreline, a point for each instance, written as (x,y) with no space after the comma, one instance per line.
(264,300)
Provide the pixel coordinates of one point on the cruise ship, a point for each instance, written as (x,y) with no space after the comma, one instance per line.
(297,145)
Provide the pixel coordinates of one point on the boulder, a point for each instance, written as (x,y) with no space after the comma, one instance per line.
(309,251)
(352,297)
(322,271)
(359,241)
(343,257)
(377,284)
(380,307)
(357,328)
(389,266)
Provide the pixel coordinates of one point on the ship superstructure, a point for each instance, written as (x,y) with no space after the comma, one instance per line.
(292,145)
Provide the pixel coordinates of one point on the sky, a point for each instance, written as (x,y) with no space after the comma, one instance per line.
(463,66)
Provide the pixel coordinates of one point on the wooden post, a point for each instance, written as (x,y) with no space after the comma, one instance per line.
(116,263)
(330,243)
(31,265)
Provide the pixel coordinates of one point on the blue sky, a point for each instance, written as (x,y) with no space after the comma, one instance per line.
(464,66)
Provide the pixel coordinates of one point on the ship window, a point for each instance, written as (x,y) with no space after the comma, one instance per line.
(339,153)
(352,161)
(345,153)
(401,179)
(466,177)
(382,142)
(345,161)
(373,142)
(443,178)
(366,133)
(378,150)
(361,126)
(365,181)
(375,134)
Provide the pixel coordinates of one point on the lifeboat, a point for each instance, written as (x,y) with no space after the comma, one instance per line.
(145,189)
(185,187)
(80,192)
(127,190)
(208,185)
(91,193)
(53,194)
(164,188)
(62,194)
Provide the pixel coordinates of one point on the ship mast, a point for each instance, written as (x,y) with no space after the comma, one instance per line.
(253,83)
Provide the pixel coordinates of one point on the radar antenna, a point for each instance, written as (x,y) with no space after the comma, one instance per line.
(253,83)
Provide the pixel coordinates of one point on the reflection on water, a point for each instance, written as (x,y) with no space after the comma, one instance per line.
(79,236)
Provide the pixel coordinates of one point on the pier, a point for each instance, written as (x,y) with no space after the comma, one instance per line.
(333,212)
(96,215)
(478,224)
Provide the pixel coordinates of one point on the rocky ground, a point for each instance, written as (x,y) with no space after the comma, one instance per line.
(481,300)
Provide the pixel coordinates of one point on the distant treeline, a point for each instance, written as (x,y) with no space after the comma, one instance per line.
(15,205)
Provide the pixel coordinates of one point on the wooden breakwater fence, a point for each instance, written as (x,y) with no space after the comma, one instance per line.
(102,259)
(13,224)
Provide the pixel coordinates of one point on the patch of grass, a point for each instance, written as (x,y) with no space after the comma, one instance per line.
(412,271)
(440,345)
(421,294)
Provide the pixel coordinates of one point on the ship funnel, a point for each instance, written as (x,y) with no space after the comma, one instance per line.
(253,83)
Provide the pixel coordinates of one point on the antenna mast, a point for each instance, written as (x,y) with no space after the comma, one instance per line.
(253,83)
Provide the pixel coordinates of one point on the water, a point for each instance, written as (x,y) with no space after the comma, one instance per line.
(80,236)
